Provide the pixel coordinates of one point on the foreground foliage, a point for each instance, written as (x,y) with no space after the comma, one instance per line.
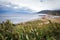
(34,30)
(7,31)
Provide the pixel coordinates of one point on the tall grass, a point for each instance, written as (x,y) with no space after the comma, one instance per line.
(34,31)
(30,31)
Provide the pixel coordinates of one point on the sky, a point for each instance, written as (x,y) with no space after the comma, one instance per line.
(36,5)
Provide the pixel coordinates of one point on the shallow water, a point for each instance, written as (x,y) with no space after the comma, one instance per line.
(17,18)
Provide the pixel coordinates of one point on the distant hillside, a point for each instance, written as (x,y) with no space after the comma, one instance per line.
(52,12)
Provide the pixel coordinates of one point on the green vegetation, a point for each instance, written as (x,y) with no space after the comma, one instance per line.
(7,31)
(34,30)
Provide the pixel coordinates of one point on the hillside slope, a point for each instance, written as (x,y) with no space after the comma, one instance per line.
(52,12)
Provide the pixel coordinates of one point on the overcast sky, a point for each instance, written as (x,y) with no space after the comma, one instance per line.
(36,5)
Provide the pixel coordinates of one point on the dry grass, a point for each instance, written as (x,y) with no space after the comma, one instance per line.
(45,19)
(57,20)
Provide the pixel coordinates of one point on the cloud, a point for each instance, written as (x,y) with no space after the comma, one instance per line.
(36,5)
(11,8)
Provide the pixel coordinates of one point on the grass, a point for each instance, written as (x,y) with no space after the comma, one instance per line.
(33,30)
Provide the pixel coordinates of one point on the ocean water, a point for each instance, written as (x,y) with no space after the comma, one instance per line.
(18,18)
